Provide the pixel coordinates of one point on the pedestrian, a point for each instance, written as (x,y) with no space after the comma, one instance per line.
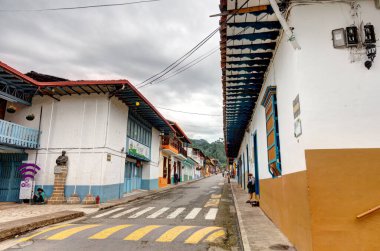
(228,177)
(39,197)
(176,178)
(251,187)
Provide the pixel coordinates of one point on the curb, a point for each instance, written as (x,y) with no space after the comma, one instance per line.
(18,227)
(243,234)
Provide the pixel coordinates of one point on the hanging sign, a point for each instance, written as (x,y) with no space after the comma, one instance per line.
(26,189)
(138,150)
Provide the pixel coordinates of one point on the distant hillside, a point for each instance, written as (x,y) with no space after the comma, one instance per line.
(214,149)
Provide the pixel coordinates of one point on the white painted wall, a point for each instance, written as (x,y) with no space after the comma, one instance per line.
(152,170)
(338,98)
(87,127)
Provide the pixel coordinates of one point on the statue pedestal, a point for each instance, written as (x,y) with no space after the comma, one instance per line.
(73,199)
(89,199)
(58,196)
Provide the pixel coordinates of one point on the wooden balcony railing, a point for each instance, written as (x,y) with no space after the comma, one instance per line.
(17,135)
(183,151)
(170,141)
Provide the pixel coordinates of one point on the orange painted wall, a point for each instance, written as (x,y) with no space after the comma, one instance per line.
(343,184)
(285,201)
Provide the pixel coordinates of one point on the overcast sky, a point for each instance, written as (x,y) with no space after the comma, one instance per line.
(125,42)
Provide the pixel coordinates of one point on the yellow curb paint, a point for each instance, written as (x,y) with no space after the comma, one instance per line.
(212,203)
(173,233)
(212,237)
(216,196)
(69,232)
(108,232)
(44,231)
(140,233)
(200,234)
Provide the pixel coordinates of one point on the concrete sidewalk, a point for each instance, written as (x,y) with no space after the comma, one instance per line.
(258,233)
(16,219)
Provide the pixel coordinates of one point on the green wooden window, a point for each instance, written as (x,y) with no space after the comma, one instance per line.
(273,140)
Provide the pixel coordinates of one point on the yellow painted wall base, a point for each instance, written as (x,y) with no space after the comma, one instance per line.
(285,201)
(316,209)
(343,184)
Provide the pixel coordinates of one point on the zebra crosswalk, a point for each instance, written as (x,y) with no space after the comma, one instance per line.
(130,232)
(160,213)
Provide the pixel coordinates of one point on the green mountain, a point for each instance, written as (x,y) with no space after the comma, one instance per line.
(214,150)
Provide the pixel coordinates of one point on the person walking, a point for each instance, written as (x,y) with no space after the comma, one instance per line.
(251,188)
(176,178)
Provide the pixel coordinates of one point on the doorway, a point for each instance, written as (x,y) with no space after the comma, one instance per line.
(10,178)
(169,170)
(132,177)
(256,162)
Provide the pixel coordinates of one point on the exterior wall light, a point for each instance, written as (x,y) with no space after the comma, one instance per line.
(30,117)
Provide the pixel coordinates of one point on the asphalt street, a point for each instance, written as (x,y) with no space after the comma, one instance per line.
(196,216)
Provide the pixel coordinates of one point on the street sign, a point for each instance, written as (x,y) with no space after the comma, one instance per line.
(26,189)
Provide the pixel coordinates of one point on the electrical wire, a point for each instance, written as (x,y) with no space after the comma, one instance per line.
(176,63)
(194,113)
(187,66)
(81,7)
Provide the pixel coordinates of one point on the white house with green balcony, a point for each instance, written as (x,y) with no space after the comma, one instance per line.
(110,131)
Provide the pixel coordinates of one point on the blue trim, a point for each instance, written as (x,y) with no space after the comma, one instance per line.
(255,157)
(105,192)
(149,184)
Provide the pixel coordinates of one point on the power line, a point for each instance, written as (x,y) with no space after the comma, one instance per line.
(176,63)
(194,113)
(188,66)
(81,7)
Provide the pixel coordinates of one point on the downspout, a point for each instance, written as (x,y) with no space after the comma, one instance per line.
(48,141)
(289,33)
(80,148)
(93,146)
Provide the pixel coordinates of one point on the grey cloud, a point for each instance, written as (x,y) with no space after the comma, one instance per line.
(132,42)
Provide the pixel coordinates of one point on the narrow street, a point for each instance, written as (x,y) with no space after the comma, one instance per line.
(192,217)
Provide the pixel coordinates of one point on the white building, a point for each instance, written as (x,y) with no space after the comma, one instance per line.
(304,121)
(110,131)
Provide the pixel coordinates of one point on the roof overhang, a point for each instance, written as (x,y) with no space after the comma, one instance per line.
(248,39)
(17,87)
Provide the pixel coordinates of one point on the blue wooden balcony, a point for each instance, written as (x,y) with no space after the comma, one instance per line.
(19,136)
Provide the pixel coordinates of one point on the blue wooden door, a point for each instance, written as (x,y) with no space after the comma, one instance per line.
(10,180)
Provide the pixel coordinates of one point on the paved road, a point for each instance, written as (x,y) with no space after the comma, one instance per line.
(191,217)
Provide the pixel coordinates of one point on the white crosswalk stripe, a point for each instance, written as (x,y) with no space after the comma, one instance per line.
(124,213)
(211,214)
(193,213)
(141,212)
(158,213)
(177,212)
(108,213)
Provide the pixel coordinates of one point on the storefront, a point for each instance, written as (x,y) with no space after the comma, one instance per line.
(139,139)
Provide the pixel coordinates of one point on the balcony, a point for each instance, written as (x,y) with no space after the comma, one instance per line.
(15,135)
(182,153)
(170,145)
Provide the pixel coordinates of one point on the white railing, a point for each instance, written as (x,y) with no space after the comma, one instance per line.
(18,135)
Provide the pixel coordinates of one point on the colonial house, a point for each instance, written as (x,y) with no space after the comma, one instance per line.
(174,153)
(198,156)
(109,130)
(301,86)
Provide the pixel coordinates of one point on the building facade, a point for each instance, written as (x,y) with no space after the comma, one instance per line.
(301,120)
(110,132)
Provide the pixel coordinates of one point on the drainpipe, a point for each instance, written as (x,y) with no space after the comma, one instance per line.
(81,145)
(48,140)
(94,137)
(289,33)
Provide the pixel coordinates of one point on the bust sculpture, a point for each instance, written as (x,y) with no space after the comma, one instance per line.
(62,160)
